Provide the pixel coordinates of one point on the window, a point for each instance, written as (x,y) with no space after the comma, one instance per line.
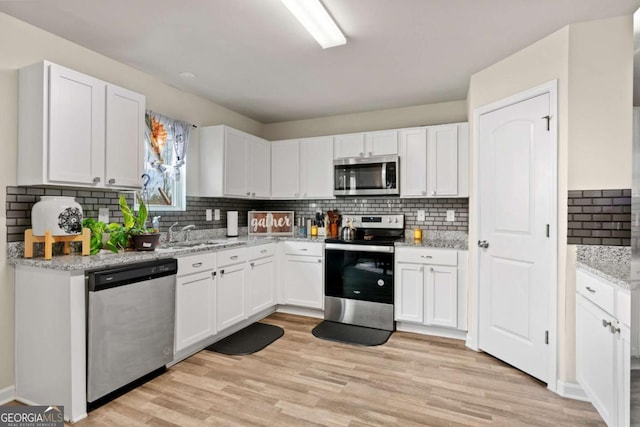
(166,142)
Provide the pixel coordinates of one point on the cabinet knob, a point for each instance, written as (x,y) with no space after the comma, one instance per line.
(605,323)
(248,193)
(370,153)
(213,274)
(431,269)
(433,193)
(253,194)
(424,193)
(319,260)
(96,179)
(221,272)
(112,181)
(361,154)
(252,265)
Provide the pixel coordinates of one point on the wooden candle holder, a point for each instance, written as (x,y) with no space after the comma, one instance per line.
(49,240)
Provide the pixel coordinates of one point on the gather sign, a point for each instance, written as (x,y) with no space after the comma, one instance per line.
(270,223)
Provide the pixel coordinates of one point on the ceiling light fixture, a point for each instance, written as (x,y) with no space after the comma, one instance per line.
(316,20)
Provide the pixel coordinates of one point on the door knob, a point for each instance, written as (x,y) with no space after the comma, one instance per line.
(483,244)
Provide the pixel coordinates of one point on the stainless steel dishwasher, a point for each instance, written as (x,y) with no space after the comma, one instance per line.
(130,324)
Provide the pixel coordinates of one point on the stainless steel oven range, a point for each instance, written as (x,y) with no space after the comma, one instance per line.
(358,284)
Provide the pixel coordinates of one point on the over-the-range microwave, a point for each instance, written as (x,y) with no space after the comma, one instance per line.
(366,176)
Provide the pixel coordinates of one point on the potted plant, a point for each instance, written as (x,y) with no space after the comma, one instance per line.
(132,234)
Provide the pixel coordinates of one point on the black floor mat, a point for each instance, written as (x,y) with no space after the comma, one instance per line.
(249,340)
(350,334)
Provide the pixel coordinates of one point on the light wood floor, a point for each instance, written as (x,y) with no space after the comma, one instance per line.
(300,380)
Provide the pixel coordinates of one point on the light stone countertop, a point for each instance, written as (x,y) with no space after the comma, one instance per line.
(612,263)
(434,243)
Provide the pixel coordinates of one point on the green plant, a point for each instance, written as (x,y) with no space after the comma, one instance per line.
(133,224)
(97,228)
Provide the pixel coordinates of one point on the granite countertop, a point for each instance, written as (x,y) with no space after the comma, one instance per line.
(106,258)
(612,263)
(434,243)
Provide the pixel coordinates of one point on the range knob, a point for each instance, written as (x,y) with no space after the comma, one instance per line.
(388,219)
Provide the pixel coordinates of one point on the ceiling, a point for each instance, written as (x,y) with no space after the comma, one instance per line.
(253,57)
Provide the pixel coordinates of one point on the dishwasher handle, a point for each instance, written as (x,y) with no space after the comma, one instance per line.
(101,280)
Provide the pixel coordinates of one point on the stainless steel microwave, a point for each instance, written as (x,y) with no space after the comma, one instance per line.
(366,176)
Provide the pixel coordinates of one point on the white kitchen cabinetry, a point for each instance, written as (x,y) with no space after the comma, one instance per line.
(73,129)
(302,274)
(261,278)
(430,287)
(234,164)
(381,143)
(603,347)
(435,161)
(195,300)
(231,287)
(302,169)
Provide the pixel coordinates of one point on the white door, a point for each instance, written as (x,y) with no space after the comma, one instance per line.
(124,138)
(195,309)
(515,198)
(317,168)
(76,127)
(285,169)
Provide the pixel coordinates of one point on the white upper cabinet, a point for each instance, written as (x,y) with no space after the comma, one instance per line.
(302,168)
(234,163)
(434,161)
(349,145)
(368,144)
(125,129)
(317,168)
(285,169)
(77,130)
(413,162)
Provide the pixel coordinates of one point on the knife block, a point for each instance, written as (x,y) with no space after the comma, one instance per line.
(48,239)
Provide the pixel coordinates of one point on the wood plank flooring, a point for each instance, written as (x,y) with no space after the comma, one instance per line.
(299,380)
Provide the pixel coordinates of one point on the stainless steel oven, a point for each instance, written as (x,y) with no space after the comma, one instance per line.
(359,272)
(378,175)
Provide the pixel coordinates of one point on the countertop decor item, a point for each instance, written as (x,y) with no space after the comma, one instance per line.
(124,236)
(48,239)
(62,216)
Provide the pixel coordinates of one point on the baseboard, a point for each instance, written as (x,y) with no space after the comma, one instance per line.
(7,394)
(571,391)
(300,311)
(431,330)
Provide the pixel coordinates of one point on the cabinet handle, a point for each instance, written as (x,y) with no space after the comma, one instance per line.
(112,181)
(426,256)
(96,180)
(605,323)
(304,249)
(196,265)
(593,291)
(264,251)
(234,257)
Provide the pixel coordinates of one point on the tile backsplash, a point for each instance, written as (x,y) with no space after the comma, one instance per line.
(21,199)
(599,217)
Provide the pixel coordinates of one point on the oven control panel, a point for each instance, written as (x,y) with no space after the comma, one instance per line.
(373,221)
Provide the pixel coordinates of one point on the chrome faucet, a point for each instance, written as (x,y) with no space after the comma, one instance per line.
(187,229)
(170,233)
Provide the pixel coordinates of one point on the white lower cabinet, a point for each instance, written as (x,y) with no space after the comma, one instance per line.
(231,288)
(603,347)
(302,274)
(195,300)
(261,279)
(430,287)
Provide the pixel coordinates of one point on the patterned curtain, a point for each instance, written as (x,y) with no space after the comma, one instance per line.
(167,142)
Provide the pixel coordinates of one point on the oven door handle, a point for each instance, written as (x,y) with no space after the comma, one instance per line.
(359,248)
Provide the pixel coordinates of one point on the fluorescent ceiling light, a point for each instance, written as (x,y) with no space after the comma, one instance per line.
(315,18)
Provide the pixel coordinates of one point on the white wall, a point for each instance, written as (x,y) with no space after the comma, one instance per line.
(592,63)
(430,114)
(23,44)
